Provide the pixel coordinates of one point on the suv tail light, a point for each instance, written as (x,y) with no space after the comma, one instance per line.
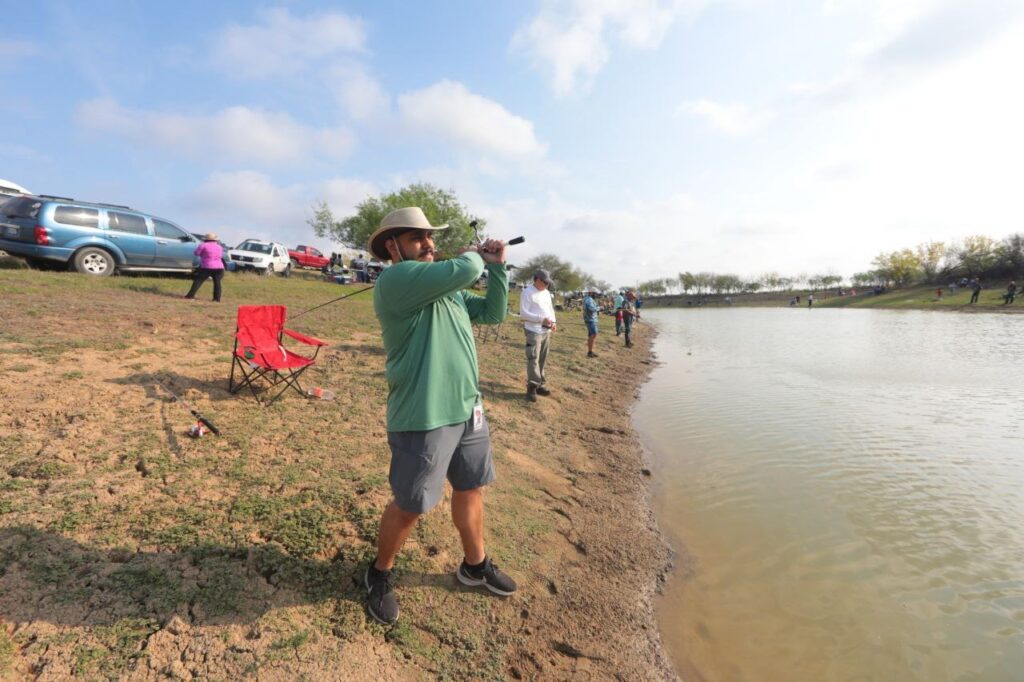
(42,236)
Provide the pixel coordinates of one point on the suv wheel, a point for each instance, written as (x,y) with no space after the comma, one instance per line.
(287,272)
(94,261)
(267,271)
(293,263)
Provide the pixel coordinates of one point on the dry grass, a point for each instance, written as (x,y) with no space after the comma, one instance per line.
(128,549)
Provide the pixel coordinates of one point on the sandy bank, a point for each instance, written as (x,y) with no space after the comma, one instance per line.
(129,550)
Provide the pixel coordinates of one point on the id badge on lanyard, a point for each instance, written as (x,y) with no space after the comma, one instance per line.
(478,417)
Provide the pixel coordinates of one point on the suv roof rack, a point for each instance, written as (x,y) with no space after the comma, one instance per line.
(77,201)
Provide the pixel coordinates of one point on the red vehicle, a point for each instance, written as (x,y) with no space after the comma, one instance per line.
(307,257)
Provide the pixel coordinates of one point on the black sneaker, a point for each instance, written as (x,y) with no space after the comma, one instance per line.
(488,575)
(543,391)
(380,600)
(531,393)
(591,354)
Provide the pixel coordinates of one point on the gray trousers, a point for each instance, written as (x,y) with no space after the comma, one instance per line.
(536,357)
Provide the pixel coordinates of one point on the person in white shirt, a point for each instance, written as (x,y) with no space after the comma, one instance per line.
(538,314)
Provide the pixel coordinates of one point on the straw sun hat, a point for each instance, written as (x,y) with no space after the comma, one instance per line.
(411,218)
(210,237)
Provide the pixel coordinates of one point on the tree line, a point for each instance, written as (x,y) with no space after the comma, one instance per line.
(976,256)
(928,263)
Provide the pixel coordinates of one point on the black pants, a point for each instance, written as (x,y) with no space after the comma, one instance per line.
(202,274)
(974,296)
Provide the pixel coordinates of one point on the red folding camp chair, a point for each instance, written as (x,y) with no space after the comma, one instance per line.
(260,356)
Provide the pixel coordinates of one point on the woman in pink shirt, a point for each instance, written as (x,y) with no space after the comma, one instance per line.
(210,265)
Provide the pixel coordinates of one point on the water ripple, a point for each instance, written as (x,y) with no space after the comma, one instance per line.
(852,487)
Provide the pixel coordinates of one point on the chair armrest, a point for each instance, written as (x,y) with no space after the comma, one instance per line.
(302,338)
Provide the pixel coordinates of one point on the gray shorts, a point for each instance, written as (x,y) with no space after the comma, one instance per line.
(421,460)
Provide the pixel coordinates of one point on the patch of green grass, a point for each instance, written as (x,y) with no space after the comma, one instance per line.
(20,368)
(124,640)
(147,584)
(87,660)
(68,522)
(302,532)
(14,484)
(75,374)
(6,650)
(221,587)
(42,471)
(257,507)
(292,642)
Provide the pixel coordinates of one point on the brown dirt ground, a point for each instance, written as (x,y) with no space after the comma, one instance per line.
(131,551)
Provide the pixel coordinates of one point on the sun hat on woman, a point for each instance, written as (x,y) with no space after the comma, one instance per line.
(402,219)
(210,237)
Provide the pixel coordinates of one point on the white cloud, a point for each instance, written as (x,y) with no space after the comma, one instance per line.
(470,122)
(907,39)
(358,92)
(281,44)
(248,200)
(570,39)
(344,194)
(235,134)
(731,119)
(249,205)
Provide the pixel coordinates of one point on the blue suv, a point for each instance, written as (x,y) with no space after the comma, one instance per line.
(95,239)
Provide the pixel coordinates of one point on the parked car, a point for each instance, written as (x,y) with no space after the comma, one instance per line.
(229,264)
(307,257)
(12,189)
(373,269)
(93,238)
(264,257)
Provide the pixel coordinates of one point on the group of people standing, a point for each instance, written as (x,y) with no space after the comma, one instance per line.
(975,285)
(537,311)
(359,266)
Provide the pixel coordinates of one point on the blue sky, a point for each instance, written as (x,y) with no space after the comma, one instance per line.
(635,138)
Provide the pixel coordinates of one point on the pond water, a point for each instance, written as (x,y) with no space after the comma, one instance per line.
(846,492)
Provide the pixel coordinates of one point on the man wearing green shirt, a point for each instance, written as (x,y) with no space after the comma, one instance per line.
(435,421)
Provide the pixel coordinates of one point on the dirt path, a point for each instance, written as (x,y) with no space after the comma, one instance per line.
(128,550)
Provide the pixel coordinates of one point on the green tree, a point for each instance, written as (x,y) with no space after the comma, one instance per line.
(654,287)
(565,275)
(1011,254)
(898,267)
(687,281)
(440,206)
(931,255)
(977,254)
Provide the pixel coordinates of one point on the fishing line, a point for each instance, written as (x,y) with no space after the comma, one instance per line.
(510,242)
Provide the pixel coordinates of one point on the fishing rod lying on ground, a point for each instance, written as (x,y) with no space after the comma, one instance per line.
(473,224)
(195,413)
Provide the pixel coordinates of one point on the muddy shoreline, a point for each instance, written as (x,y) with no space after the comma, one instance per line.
(129,550)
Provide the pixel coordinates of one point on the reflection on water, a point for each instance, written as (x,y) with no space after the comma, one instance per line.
(850,485)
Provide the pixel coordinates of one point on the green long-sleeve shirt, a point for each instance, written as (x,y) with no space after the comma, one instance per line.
(425,314)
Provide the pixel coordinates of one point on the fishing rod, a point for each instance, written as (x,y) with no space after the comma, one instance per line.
(333,300)
(195,413)
(511,242)
(473,224)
